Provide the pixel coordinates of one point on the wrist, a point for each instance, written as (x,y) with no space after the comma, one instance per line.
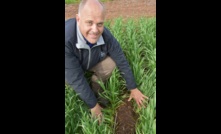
(94,106)
(132,90)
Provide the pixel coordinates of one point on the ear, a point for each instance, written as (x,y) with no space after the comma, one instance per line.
(77,18)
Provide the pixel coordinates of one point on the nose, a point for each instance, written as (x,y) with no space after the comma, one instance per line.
(94,29)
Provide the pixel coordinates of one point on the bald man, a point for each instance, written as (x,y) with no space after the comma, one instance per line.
(89,46)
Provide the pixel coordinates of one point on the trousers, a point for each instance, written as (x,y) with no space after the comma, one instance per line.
(101,72)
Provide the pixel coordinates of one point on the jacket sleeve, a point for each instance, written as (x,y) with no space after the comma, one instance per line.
(74,76)
(116,53)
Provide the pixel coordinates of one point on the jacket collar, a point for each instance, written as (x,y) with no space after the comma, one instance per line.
(81,43)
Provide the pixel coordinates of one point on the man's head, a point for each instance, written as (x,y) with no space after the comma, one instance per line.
(90,19)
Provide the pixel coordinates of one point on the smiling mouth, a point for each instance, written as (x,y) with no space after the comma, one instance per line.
(93,36)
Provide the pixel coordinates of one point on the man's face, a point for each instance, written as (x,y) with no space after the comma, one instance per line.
(91,23)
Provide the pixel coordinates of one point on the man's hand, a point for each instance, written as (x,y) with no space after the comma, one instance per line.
(138,97)
(96,112)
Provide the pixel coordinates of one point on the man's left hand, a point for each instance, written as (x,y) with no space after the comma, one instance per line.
(138,97)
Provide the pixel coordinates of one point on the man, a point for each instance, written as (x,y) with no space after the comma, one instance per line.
(89,46)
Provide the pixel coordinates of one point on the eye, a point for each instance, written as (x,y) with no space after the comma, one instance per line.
(100,24)
(90,23)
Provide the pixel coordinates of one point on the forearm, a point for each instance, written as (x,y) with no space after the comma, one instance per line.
(74,76)
(124,68)
(116,53)
(86,94)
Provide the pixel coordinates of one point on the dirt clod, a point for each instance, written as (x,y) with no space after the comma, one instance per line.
(125,118)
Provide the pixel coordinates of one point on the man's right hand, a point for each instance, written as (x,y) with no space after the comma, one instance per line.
(96,112)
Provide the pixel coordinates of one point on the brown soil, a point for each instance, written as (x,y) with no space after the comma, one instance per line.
(125,118)
(120,8)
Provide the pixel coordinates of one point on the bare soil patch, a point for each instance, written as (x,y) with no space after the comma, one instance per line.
(126,118)
(120,8)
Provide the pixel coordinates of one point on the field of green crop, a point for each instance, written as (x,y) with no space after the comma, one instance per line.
(138,41)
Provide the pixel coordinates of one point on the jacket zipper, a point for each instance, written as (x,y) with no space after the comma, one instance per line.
(89,58)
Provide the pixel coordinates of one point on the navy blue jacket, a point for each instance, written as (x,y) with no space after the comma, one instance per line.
(79,57)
